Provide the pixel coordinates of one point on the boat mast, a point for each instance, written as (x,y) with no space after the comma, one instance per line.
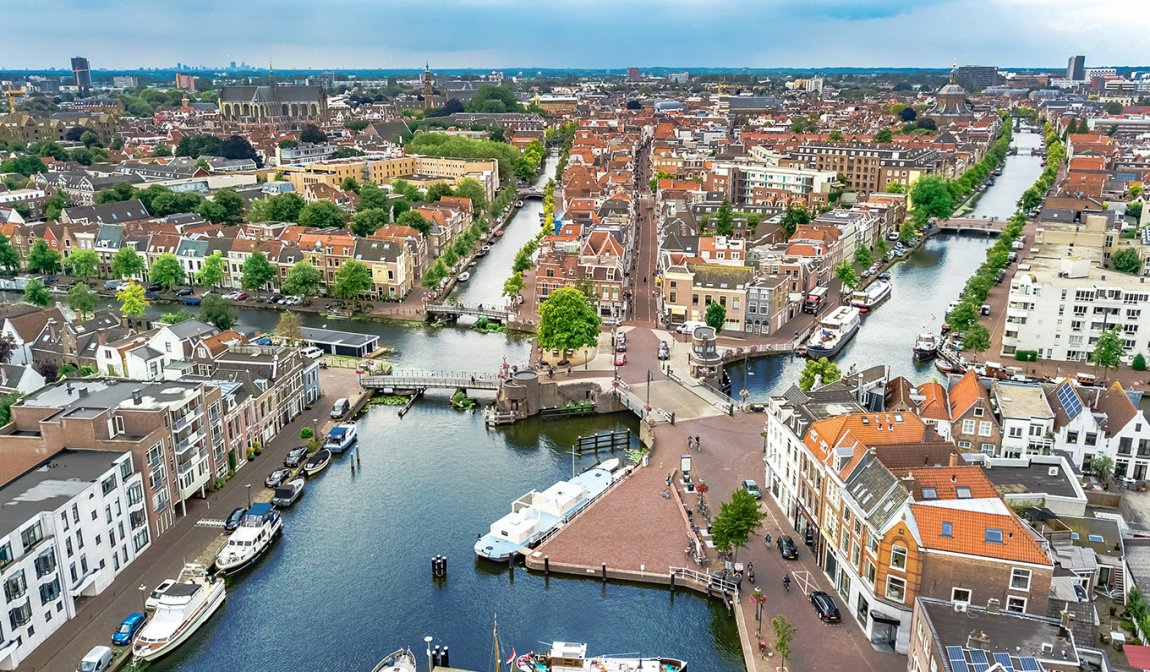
(495,643)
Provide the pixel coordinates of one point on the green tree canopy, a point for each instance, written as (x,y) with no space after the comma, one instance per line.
(963,317)
(794,216)
(931,197)
(257,272)
(27,165)
(367,222)
(123,191)
(491,98)
(737,519)
(470,188)
(82,300)
(513,284)
(825,369)
(437,191)
(725,219)
(231,206)
(414,220)
(9,257)
(884,136)
(214,310)
(281,208)
(1127,260)
(312,134)
(83,264)
(302,279)
(567,321)
(36,294)
(321,215)
(133,303)
(845,273)
(371,197)
(211,272)
(863,256)
(127,263)
(1109,350)
(41,258)
(352,279)
(976,338)
(456,146)
(784,633)
(166,271)
(716,316)
(198,145)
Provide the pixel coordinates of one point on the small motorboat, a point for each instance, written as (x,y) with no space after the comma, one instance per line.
(288,493)
(464,277)
(499,233)
(926,346)
(519,204)
(340,437)
(317,463)
(482,252)
(402,660)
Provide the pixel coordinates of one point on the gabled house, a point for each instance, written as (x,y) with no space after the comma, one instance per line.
(973,424)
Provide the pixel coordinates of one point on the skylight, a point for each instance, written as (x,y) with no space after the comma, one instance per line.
(929,493)
(962,492)
(948,529)
(994,535)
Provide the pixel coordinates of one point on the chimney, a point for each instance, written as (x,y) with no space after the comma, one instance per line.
(953,460)
(101,337)
(137,396)
(52,329)
(1066,620)
(978,640)
(993,606)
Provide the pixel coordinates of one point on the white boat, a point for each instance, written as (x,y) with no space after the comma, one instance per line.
(402,660)
(317,462)
(535,514)
(183,608)
(926,346)
(874,294)
(834,332)
(482,251)
(288,493)
(572,657)
(259,528)
(340,437)
(464,277)
(519,204)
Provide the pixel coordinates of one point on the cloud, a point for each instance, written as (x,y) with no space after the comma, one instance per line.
(485,34)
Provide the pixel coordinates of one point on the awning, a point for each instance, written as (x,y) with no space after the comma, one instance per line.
(88,580)
(678,311)
(887,620)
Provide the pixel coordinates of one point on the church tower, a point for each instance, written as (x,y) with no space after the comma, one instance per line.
(428,91)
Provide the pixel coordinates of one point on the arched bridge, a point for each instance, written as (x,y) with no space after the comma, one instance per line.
(991,227)
(531,192)
(454,311)
(426,380)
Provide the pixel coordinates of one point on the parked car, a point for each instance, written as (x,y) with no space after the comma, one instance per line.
(155,287)
(48,280)
(339,407)
(295,457)
(185,291)
(98,659)
(191,300)
(153,600)
(620,359)
(892,236)
(753,488)
(620,345)
(262,340)
(240,296)
(825,607)
(151,296)
(312,352)
(664,350)
(885,275)
(275,298)
(234,518)
(277,477)
(113,285)
(984,310)
(874,268)
(787,548)
(128,629)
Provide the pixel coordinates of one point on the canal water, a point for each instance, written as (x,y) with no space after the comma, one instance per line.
(351,579)
(925,282)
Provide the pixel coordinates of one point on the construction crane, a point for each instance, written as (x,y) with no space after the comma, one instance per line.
(12,93)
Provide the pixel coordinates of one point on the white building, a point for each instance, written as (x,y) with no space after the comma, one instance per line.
(1027,419)
(1101,422)
(67,529)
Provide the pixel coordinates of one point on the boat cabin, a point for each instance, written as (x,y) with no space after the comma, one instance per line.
(518,527)
(557,500)
(566,657)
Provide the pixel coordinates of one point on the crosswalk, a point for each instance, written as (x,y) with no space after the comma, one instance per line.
(209,522)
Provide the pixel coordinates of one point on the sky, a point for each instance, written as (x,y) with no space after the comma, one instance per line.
(332,34)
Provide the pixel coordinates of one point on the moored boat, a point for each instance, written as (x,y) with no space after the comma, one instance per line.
(572,656)
(464,277)
(866,299)
(519,204)
(834,332)
(317,462)
(288,493)
(259,528)
(182,609)
(340,437)
(402,660)
(926,346)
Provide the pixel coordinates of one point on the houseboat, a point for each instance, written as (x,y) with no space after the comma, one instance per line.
(183,608)
(834,332)
(867,299)
(572,657)
(258,529)
(341,437)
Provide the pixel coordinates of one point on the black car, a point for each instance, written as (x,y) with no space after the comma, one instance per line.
(234,519)
(825,607)
(185,291)
(787,548)
(295,456)
(274,298)
(277,477)
(155,287)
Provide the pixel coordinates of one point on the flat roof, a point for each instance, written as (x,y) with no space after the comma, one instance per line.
(89,398)
(1018,400)
(50,485)
(333,337)
(1032,478)
(1006,632)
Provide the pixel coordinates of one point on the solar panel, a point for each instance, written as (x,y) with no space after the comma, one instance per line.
(1004,660)
(1069,400)
(979,667)
(978,656)
(1030,664)
(954,653)
(959,666)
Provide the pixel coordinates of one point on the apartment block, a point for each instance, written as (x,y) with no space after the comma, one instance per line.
(422,171)
(868,168)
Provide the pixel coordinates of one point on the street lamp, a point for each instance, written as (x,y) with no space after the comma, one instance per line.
(249,488)
(427,640)
(144,596)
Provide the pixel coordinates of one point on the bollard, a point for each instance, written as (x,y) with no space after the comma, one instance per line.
(443,564)
(604,566)
(446,657)
(547,565)
(672,581)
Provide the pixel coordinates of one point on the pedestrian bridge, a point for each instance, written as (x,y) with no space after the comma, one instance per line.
(991,227)
(426,380)
(533,192)
(453,311)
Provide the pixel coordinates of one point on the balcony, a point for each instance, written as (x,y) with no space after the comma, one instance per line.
(183,445)
(184,420)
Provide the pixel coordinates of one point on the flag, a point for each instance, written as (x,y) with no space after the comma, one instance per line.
(512,658)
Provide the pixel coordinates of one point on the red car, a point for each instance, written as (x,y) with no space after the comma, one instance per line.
(620,359)
(242,296)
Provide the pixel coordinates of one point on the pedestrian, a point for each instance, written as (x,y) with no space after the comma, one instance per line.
(698,446)
(762,648)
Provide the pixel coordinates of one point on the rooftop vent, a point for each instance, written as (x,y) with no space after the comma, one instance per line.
(137,397)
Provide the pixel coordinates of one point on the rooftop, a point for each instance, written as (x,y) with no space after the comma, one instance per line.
(1016,477)
(50,485)
(1017,400)
(89,398)
(1000,632)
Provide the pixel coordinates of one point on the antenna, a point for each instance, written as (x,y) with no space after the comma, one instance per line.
(271,73)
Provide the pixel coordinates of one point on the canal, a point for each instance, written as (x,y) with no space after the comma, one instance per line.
(925,282)
(351,580)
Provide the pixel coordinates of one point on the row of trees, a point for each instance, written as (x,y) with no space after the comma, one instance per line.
(512,163)
(934,196)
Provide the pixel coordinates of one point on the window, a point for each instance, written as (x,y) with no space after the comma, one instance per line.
(984,428)
(979,411)
(20,615)
(50,592)
(1072,437)
(948,529)
(965,445)
(988,448)
(31,535)
(872,542)
(140,539)
(1016,432)
(1020,579)
(108,484)
(898,557)
(15,587)
(45,563)
(5,554)
(960,595)
(1091,439)
(869,571)
(895,588)
(968,426)
(1016,604)
(993,535)
(962,492)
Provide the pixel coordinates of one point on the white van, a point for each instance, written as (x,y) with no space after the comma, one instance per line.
(689,327)
(312,352)
(339,408)
(98,659)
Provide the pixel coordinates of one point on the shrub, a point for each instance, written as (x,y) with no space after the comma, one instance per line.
(1138,363)
(251,453)
(306,433)
(1026,355)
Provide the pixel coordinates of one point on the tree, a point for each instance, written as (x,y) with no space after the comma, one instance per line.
(931,197)
(845,273)
(371,197)
(312,134)
(927,124)
(715,316)
(471,189)
(794,216)
(166,271)
(83,264)
(36,294)
(238,147)
(567,321)
(414,220)
(211,272)
(216,311)
(303,279)
(1109,350)
(1134,210)
(181,315)
(491,98)
(7,349)
(231,204)
(161,150)
(349,184)
(880,248)
(513,285)
(356,125)
(281,208)
(257,272)
(725,219)
(907,114)
(6,403)
(123,191)
(1127,260)
(907,231)
(82,300)
(863,256)
(437,191)
(352,279)
(1113,107)
(1139,362)
(963,317)
(321,215)
(1103,469)
(42,259)
(1030,199)
(25,165)
(133,303)
(127,263)
(884,136)
(289,329)
(366,222)
(824,369)
(198,145)
(9,258)
(976,338)
(784,633)
(835,136)
(738,517)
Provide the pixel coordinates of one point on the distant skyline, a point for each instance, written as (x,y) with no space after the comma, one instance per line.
(488,34)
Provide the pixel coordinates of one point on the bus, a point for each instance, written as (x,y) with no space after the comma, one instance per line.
(815,300)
